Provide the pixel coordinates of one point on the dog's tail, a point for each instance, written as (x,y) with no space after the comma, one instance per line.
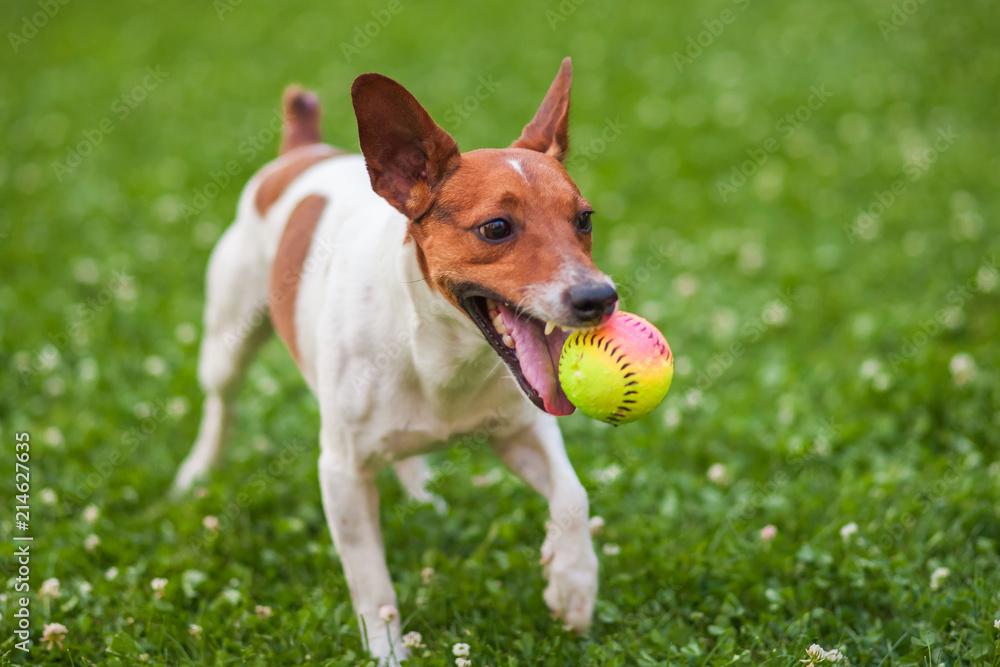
(301,114)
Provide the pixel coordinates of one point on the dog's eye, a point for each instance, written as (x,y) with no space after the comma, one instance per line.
(583,222)
(495,230)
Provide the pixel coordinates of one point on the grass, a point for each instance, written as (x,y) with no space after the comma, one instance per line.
(835,321)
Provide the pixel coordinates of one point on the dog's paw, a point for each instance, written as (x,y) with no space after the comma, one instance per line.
(393,659)
(438,503)
(384,638)
(572,588)
(388,654)
(187,476)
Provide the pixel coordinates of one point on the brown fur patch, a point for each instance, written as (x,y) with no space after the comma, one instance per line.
(548,131)
(286,272)
(541,206)
(301,119)
(277,179)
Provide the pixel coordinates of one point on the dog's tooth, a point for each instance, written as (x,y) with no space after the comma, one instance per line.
(508,341)
(549,327)
(499,325)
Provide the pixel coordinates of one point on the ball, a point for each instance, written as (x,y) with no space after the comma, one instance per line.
(617,372)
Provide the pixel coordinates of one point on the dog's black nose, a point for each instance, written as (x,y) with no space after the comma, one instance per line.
(591,302)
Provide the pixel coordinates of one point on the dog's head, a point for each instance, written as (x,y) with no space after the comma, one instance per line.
(504,234)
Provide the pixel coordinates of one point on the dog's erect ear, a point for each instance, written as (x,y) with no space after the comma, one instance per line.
(408,155)
(548,131)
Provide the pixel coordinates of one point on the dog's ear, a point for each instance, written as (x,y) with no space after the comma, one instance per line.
(407,154)
(548,131)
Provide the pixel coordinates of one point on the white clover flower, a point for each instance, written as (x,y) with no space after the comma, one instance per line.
(111,574)
(833,655)
(86,270)
(48,496)
(609,474)
(938,576)
(388,613)
(194,630)
(693,398)
(413,640)
(775,313)
(596,525)
(685,285)
(494,476)
(848,531)
(818,654)
(263,612)
(996,624)
(671,417)
(815,653)
(143,657)
(49,589)
(53,635)
(158,585)
(963,369)
(154,365)
(185,333)
(177,406)
(53,436)
(611,549)
(768,533)
(868,370)
(718,473)
(88,369)
(427,574)
(463,662)
(91,542)
(85,588)
(460,650)
(751,257)
(882,381)
(210,523)
(90,513)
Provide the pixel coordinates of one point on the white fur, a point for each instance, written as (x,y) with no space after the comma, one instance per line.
(516,164)
(397,370)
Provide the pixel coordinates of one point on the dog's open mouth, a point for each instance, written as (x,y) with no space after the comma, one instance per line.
(529,346)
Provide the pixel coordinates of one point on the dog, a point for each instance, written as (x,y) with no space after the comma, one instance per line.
(422,292)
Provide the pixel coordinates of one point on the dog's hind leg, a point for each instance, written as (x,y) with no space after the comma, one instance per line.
(237,323)
(414,474)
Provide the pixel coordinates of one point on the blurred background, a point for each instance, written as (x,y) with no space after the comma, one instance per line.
(802,196)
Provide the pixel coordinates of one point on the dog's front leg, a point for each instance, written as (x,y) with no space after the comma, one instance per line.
(537,454)
(350,501)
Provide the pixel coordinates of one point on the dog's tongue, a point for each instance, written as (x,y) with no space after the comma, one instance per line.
(539,358)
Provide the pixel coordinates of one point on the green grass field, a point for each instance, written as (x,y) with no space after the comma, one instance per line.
(802,196)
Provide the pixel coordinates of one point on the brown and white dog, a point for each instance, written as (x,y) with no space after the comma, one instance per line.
(396,280)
